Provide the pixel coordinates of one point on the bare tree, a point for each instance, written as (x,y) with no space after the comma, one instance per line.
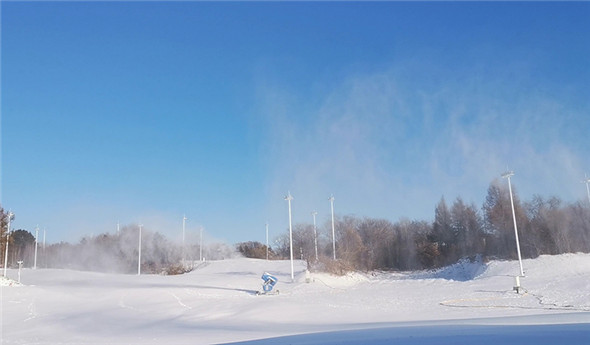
(444,234)
(303,242)
(578,223)
(252,249)
(377,237)
(498,223)
(467,229)
(348,241)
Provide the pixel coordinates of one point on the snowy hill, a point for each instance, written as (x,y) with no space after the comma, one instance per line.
(216,303)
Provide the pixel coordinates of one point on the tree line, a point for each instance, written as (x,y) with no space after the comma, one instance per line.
(459,230)
(108,252)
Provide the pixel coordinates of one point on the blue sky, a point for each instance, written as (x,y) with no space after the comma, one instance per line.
(145,111)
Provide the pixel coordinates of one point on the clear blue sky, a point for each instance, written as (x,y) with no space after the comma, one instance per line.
(145,111)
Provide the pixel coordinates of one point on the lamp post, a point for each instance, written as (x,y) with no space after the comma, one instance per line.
(183,232)
(10,218)
(201,245)
(289,198)
(44,252)
(333,232)
(315,235)
(36,245)
(587,181)
(507,175)
(266,225)
(139,251)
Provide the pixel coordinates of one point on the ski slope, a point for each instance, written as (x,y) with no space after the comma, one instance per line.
(216,303)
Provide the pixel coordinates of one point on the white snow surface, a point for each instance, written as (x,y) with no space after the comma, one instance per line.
(466,303)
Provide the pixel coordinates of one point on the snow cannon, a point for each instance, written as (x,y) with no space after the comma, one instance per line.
(269,282)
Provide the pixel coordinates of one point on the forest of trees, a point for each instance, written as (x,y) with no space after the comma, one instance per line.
(459,230)
(117,253)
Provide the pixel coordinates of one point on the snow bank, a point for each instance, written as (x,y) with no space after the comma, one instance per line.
(217,303)
(4,281)
(333,281)
(464,270)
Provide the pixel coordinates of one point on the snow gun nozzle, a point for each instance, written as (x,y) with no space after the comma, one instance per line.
(269,281)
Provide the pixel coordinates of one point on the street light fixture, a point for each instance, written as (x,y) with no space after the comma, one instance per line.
(183,232)
(201,245)
(289,198)
(10,218)
(44,252)
(587,181)
(36,245)
(315,235)
(333,232)
(139,251)
(266,225)
(507,175)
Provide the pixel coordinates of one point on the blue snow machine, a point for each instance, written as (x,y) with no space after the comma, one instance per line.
(269,283)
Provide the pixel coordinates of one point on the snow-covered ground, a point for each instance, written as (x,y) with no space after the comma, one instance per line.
(461,304)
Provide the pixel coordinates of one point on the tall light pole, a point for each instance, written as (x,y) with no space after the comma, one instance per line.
(36,245)
(266,225)
(183,228)
(139,251)
(183,232)
(289,198)
(507,175)
(44,253)
(10,218)
(201,245)
(333,232)
(315,235)
(587,181)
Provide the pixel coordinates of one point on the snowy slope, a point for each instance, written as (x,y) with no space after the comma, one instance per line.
(216,303)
